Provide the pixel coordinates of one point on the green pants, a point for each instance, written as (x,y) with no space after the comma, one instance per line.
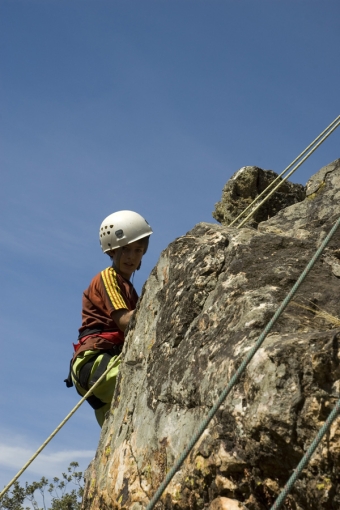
(106,388)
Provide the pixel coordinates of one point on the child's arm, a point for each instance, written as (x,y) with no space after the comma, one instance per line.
(122,318)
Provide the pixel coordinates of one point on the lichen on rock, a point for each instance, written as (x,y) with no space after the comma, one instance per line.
(247,184)
(201,310)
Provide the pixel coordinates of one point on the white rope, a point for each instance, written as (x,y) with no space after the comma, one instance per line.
(333,126)
(76,407)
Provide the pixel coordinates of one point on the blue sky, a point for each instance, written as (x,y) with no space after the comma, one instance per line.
(149,105)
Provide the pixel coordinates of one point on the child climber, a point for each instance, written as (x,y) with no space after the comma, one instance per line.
(108,305)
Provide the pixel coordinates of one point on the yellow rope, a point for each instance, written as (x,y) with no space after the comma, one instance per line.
(333,125)
(56,431)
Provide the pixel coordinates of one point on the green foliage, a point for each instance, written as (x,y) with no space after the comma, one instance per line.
(59,498)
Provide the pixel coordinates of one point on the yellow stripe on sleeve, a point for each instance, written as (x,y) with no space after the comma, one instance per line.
(112,288)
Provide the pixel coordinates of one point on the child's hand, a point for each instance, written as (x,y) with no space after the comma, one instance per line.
(122,318)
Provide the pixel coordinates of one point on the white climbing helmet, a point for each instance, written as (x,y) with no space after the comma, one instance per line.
(122,228)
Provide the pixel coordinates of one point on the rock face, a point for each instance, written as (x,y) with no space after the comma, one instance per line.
(317,213)
(202,308)
(245,185)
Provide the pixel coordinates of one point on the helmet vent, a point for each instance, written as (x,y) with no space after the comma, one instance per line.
(122,228)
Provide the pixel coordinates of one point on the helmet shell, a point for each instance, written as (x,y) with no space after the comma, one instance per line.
(122,228)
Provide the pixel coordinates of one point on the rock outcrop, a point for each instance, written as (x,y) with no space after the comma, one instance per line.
(248,183)
(202,308)
(317,213)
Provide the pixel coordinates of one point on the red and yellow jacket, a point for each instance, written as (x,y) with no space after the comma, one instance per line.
(107,292)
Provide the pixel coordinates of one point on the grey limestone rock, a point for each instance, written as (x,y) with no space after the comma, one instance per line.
(245,185)
(314,216)
(201,310)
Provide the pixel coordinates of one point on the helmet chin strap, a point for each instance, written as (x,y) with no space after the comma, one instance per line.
(116,264)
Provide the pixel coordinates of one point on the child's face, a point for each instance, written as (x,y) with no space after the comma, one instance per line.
(128,258)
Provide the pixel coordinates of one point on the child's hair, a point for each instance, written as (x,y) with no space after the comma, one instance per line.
(144,242)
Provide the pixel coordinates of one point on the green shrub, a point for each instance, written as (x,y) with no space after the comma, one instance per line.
(61,497)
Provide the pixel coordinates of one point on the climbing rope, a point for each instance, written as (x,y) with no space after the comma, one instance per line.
(76,407)
(305,459)
(320,139)
(241,369)
(246,361)
(288,175)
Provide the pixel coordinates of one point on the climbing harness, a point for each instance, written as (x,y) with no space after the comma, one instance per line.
(100,374)
(241,369)
(320,139)
(84,374)
(71,413)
